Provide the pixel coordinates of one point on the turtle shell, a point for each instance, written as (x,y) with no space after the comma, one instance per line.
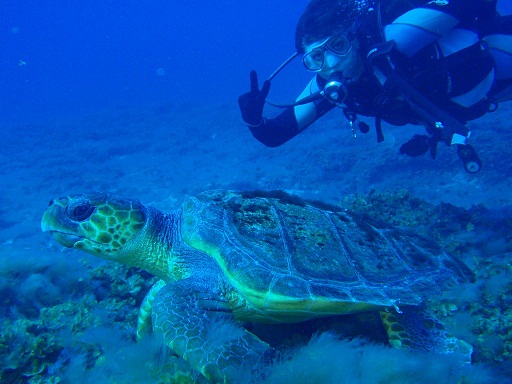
(292,260)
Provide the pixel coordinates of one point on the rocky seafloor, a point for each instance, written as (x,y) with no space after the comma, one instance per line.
(90,333)
(68,317)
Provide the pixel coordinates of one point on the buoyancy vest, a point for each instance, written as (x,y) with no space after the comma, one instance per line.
(428,85)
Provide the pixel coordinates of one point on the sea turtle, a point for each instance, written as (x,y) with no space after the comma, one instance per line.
(228,257)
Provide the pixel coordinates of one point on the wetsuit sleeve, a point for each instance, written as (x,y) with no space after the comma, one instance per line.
(293,120)
(277,131)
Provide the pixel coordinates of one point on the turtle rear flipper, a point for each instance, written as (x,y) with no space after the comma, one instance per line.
(417,329)
(200,327)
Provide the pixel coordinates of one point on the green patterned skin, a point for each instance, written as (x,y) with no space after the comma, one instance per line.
(225,257)
(95,223)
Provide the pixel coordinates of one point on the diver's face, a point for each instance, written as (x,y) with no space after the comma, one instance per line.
(334,54)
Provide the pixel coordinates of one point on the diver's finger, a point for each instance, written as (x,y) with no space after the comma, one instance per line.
(265,88)
(254,81)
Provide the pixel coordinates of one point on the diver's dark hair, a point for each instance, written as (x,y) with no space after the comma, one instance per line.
(323,18)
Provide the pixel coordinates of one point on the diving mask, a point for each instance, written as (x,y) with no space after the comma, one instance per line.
(328,51)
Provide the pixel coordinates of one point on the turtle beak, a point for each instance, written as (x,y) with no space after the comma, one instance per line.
(51,218)
(65,239)
(55,221)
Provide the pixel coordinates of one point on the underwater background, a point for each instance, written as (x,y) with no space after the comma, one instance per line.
(140,98)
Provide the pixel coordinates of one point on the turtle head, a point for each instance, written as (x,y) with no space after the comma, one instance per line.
(98,223)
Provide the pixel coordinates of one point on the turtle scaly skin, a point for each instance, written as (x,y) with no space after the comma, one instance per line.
(227,257)
(190,304)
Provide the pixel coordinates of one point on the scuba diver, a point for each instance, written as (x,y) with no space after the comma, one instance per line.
(437,63)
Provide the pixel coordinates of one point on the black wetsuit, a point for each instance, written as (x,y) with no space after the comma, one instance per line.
(462,69)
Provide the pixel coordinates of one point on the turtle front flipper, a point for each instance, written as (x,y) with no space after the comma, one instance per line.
(144,320)
(417,329)
(199,326)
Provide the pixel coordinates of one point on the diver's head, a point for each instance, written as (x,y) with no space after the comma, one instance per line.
(327,36)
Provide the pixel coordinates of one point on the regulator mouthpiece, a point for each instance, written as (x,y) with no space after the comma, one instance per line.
(335,89)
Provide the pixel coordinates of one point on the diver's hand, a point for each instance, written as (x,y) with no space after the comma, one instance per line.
(252,103)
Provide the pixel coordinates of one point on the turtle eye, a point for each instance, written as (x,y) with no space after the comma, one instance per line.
(81,212)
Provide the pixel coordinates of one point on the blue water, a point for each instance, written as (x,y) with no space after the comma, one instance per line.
(67,57)
(140,98)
